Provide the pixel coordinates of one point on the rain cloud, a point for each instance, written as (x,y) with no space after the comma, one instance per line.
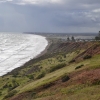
(50,15)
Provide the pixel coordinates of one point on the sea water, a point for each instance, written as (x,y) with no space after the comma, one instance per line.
(18,48)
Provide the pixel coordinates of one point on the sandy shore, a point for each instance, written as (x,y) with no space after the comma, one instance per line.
(32,60)
(45,50)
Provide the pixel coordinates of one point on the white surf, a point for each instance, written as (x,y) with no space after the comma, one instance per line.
(16,49)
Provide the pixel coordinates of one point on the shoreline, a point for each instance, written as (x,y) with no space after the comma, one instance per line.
(45,50)
(31,60)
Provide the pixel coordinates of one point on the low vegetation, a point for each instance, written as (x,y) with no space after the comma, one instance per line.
(65,78)
(56,67)
(41,75)
(80,66)
(10,94)
(57,75)
(87,57)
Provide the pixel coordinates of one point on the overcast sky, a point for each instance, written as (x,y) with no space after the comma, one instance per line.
(50,15)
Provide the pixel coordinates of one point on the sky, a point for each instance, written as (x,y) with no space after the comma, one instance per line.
(65,16)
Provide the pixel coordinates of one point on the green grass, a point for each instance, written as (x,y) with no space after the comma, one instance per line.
(48,78)
(56,67)
(88,93)
(23,79)
(80,92)
(29,84)
(57,74)
(93,63)
(74,92)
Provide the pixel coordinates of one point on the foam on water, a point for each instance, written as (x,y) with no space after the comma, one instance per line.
(16,49)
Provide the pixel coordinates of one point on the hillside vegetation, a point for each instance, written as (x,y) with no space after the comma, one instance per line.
(67,71)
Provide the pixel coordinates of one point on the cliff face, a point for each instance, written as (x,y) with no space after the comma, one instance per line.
(89,48)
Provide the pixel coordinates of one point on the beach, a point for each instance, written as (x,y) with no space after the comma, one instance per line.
(17,49)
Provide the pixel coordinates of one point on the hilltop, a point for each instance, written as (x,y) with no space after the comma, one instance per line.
(65,71)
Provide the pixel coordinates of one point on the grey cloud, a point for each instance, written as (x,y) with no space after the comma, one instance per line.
(69,16)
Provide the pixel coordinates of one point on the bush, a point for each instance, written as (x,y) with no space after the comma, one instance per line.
(42,74)
(60,60)
(54,68)
(96,82)
(15,74)
(33,94)
(13,85)
(64,55)
(73,60)
(65,78)
(5,86)
(10,94)
(0,93)
(30,77)
(47,85)
(97,38)
(87,57)
(79,67)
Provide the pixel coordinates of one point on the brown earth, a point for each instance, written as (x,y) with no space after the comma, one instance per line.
(56,48)
(88,77)
(91,51)
(79,77)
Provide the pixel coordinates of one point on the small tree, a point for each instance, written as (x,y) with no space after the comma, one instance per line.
(98,37)
(73,39)
(68,39)
(99,34)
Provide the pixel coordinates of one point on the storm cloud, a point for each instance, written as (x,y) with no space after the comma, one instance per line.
(50,15)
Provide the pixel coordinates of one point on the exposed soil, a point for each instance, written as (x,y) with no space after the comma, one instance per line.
(78,77)
(86,77)
(90,77)
(21,96)
(60,47)
(91,51)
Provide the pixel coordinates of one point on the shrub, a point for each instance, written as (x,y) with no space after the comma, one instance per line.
(15,74)
(54,68)
(97,38)
(0,93)
(79,67)
(33,94)
(60,60)
(42,74)
(30,76)
(87,57)
(73,60)
(47,85)
(96,82)
(10,94)
(5,86)
(65,78)
(64,55)
(13,85)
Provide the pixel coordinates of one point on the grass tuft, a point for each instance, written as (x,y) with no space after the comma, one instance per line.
(56,67)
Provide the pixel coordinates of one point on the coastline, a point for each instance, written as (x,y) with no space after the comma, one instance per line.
(52,69)
(45,50)
(31,60)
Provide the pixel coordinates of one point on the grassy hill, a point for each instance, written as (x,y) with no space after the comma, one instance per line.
(67,71)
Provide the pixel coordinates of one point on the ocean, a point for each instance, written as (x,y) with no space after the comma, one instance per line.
(18,48)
